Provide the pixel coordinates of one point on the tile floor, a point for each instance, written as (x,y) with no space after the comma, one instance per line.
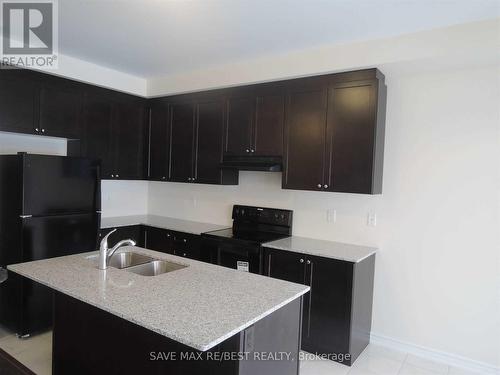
(35,353)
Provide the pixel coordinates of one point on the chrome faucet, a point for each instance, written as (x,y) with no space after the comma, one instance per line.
(105,252)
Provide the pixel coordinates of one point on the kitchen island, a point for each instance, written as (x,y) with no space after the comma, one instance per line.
(199,319)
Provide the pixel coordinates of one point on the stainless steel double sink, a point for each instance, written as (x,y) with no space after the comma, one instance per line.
(142,264)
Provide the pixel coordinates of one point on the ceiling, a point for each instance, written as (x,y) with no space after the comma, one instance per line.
(150,38)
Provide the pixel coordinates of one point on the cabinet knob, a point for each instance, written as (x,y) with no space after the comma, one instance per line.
(253,150)
(247,150)
(319,186)
(183,254)
(43,130)
(168,234)
(164,178)
(308,262)
(117,175)
(301,260)
(36,129)
(325,186)
(112,176)
(184,240)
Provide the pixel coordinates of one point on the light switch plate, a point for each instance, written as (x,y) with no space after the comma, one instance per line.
(371,219)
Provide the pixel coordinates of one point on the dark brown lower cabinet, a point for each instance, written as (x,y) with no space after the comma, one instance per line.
(172,242)
(337,311)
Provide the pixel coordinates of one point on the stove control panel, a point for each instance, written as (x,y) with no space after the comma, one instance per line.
(262,215)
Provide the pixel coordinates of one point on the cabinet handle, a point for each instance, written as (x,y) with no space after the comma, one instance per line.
(325,186)
(319,186)
(301,260)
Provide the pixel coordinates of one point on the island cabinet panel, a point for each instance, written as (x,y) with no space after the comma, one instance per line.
(18,101)
(182,132)
(305,133)
(240,122)
(159,141)
(118,346)
(173,242)
(114,131)
(61,104)
(337,311)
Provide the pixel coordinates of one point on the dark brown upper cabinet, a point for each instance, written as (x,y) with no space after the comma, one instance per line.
(61,104)
(182,133)
(354,160)
(18,100)
(305,133)
(159,141)
(114,131)
(269,122)
(209,142)
(97,137)
(334,133)
(196,143)
(240,122)
(255,125)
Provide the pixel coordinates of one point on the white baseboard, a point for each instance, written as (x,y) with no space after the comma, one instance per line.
(435,355)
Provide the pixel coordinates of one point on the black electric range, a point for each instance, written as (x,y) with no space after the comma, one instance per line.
(240,247)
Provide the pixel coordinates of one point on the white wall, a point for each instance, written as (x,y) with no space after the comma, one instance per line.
(437,273)
(118,197)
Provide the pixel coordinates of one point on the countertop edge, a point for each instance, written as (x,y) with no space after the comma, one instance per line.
(202,348)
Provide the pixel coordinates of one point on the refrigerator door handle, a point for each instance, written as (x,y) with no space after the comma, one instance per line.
(25,216)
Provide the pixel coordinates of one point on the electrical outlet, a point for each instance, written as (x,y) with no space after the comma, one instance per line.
(331,215)
(371,219)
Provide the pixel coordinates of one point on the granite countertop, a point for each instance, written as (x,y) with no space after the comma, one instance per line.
(327,249)
(162,222)
(200,306)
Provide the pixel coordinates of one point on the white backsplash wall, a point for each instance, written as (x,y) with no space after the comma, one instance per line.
(121,198)
(437,271)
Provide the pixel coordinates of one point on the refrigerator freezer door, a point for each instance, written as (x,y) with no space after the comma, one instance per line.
(55,185)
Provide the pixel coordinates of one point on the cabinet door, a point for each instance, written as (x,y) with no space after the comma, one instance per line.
(60,108)
(210,131)
(181,142)
(351,136)
(186,245)
(269,122)
(18,93)
(97,136)
(327,319)
(159,142)
(305,132)
(240,118)
(130,137)
(284,265)
(158,240)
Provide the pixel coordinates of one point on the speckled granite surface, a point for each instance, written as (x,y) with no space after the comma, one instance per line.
(327,249)
(161,222)
(200,305)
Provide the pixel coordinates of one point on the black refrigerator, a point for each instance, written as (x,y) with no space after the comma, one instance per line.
(49,206)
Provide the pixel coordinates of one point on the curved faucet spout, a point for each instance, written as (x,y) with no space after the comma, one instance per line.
(122,243)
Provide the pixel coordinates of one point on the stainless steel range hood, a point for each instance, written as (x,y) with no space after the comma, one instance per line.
(253,163)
